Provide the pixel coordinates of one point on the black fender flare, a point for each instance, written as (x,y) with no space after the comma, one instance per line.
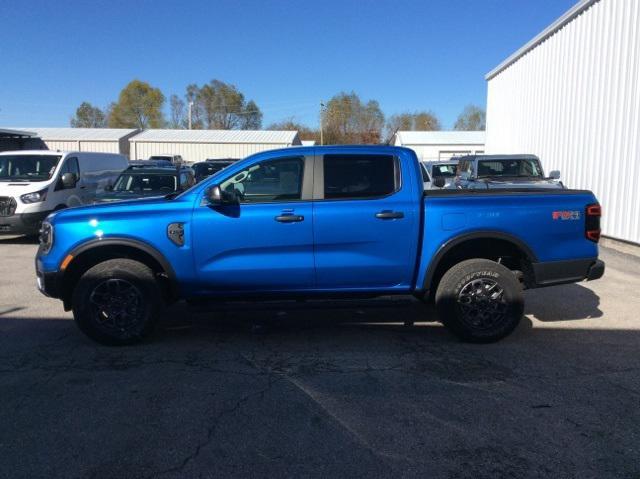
(131,243)
(484,234)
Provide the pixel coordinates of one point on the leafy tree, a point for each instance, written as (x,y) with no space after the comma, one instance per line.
(139,106)
(88,116)
(289,124)
(221,106)
(417,121)
(348,120)
(178,115)
(472,118)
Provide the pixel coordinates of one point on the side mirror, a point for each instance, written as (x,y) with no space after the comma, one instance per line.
(555,175)
(69,180)
(108,188)
(215,196)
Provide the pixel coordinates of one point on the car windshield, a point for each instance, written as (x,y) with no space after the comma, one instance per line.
(444,170)
(143,183)
(27,167)
(519,167)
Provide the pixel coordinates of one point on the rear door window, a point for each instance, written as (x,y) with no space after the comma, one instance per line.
(360,176)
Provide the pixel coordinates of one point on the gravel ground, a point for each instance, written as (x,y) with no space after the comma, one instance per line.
(324,393)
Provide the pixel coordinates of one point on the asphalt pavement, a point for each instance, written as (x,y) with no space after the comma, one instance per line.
(350,392)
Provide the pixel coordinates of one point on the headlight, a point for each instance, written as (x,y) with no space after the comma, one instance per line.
(46,237)
(35,197)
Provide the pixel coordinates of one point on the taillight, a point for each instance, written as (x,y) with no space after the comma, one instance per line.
(593,212)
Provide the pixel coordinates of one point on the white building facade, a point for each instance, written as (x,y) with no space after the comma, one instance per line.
(572,96)
(441,145)
(199,145)
(103,140)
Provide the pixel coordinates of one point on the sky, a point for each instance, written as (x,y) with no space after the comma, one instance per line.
(286,55)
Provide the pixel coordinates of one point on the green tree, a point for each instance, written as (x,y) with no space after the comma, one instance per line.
(139,106)
(290,124)
(347,119)
(221,106)
(88,116)
(417,121)
(472,118)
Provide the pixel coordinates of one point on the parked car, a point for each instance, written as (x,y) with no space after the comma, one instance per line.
(504,171)
(140,181)
(438,174)
(173,159)
(33,183)
(204,169)
(151,163)
(316,222)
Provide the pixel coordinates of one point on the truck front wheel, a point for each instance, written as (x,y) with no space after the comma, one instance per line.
(117,302)
(479,301)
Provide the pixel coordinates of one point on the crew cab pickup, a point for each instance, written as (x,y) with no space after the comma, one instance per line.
(314,222)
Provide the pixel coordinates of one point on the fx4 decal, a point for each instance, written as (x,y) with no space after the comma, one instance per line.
(566,215)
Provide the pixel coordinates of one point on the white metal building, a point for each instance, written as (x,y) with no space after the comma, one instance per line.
(198,145)
(104,140)
(572,96)
(440,145)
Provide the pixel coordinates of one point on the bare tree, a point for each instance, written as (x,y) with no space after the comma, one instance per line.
(472,118)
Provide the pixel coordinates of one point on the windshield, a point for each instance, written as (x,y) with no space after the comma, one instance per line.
(27,167)
(141,183)
(519,167)
(444,170)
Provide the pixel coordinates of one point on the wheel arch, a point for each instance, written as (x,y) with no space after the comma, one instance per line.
(96,251)
(480,244)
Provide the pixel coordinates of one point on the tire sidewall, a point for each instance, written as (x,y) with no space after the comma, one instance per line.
(459,276)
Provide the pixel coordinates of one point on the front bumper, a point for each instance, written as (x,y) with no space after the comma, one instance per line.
(571,271)
(22,223)
(48,282)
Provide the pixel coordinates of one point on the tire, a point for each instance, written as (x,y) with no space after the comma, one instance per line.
(117,302)
(479,301)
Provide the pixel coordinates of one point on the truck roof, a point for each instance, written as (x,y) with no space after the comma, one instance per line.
(522,156)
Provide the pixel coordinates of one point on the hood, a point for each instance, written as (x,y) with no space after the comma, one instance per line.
(521,183)
(111,196)
(17,188)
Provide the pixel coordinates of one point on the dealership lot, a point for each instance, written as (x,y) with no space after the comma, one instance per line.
(322,393)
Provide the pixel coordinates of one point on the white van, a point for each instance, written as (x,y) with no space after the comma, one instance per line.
(33,183)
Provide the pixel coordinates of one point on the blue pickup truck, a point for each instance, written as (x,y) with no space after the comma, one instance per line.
(314,222)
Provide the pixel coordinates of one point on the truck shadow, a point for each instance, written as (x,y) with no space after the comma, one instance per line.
(569,302)
(33,240)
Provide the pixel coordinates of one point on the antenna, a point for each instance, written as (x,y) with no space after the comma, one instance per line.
(392,135)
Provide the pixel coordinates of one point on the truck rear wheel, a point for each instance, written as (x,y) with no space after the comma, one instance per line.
(117,302)
(479,301)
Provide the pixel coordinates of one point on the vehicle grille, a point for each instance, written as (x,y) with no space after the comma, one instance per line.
(7,206)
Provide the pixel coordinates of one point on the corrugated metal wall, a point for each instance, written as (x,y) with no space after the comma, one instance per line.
(192,152)
(574,100)
(96,146)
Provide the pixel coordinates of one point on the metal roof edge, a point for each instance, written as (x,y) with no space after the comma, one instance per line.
(557,25)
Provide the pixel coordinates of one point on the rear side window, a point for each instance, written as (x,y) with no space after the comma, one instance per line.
(360,176)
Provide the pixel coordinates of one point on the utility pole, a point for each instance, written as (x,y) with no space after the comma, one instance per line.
(190,107)
(321,122)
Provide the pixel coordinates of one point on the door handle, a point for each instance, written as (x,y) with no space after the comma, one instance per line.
(289,218)
(389,215)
